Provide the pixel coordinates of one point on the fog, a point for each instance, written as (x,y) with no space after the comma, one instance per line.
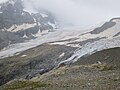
(2,1)
(77,12)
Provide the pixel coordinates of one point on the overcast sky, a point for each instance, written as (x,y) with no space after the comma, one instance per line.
(1,1)
(78,12)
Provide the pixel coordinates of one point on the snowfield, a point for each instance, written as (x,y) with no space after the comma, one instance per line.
(57,35)
(91,48)
(16,28)
(70,37)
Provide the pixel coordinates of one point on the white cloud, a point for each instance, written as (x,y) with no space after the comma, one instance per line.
(78,12)
(2,1)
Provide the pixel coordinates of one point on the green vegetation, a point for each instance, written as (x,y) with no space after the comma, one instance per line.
(102,67)
(41,57)
(70,78)
(97,75)
(24,85)
(108,57)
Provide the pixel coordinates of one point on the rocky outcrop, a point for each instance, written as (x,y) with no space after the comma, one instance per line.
(19,23)
(104,27)
(33,62)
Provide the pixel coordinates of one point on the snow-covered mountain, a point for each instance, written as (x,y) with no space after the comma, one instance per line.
(104,37)
(86,42)
(31,45)
(17,24)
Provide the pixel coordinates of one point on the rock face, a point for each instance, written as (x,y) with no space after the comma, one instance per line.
(109,56)
(33,62)
(99,71)
(105,26)
(20,24)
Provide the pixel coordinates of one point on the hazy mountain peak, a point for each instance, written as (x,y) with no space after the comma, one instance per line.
(19,23)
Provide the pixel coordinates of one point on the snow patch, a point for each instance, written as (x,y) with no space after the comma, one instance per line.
(11,2)
(16,28)
(34,20)
(116,20)
(25,36)
(63,54)
(66,43)
(22,13)
(39,33)
(51,24)
(43,15)
(23,56)
(17,53)
(39,24)
(73,45)
(91,48)
(108,33)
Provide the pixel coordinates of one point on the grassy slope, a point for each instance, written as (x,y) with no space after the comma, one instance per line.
(109,56)
(41,57)
(86,76)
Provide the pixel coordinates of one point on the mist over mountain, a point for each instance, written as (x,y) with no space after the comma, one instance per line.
(48,45)
(77,12)
(2,1)
(81,13)
(18,25)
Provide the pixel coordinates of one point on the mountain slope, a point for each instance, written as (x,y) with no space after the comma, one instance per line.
(104,37)
(33,62)
(108,33)
(31,46)
(109,56)
(17,22)
(84,74)
(56,48)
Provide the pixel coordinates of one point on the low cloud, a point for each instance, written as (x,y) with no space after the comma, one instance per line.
(2,1)
(81,13)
